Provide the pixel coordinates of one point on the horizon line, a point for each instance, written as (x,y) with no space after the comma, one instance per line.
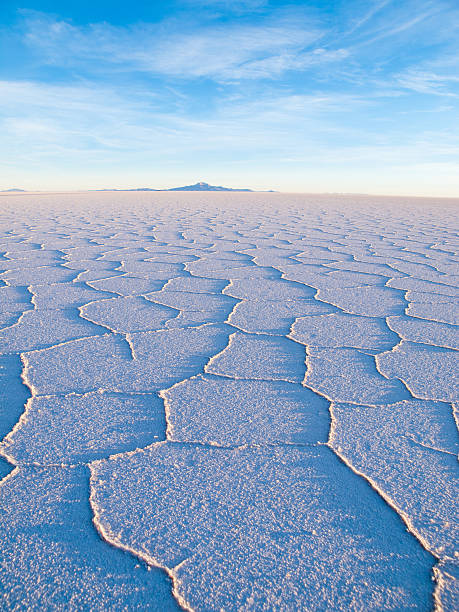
(246,192)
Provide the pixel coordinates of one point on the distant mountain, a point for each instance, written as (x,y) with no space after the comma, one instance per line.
(9,190)
(196,187)
(205,187)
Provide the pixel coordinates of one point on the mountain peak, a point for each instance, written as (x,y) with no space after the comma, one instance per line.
(202,186)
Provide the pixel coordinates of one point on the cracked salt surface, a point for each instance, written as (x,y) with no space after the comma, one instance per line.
(228,402)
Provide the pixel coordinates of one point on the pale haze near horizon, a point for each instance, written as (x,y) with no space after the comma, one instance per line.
(353,96)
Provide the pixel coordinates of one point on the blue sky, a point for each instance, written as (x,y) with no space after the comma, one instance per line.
(321,96)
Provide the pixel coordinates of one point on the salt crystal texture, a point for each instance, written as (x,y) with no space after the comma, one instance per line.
(228,401)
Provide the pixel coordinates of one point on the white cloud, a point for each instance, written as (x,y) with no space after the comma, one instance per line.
(42,119)
(265,49)
(368,15)
(390,26)
(429,82)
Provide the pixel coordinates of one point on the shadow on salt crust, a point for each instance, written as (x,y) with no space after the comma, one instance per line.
(262,528)
(53,558)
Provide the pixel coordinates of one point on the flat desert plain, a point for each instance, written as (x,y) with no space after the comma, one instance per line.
(228,401)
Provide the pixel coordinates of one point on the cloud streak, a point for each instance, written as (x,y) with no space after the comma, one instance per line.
(221,52)
(430,83)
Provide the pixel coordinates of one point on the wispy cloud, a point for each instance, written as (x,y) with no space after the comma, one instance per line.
(133,120)
(390,26)
(221,52)
(429,83)
(368,15)
(50,119)
(269,47)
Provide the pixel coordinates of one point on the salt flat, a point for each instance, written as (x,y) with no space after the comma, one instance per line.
(228,402)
